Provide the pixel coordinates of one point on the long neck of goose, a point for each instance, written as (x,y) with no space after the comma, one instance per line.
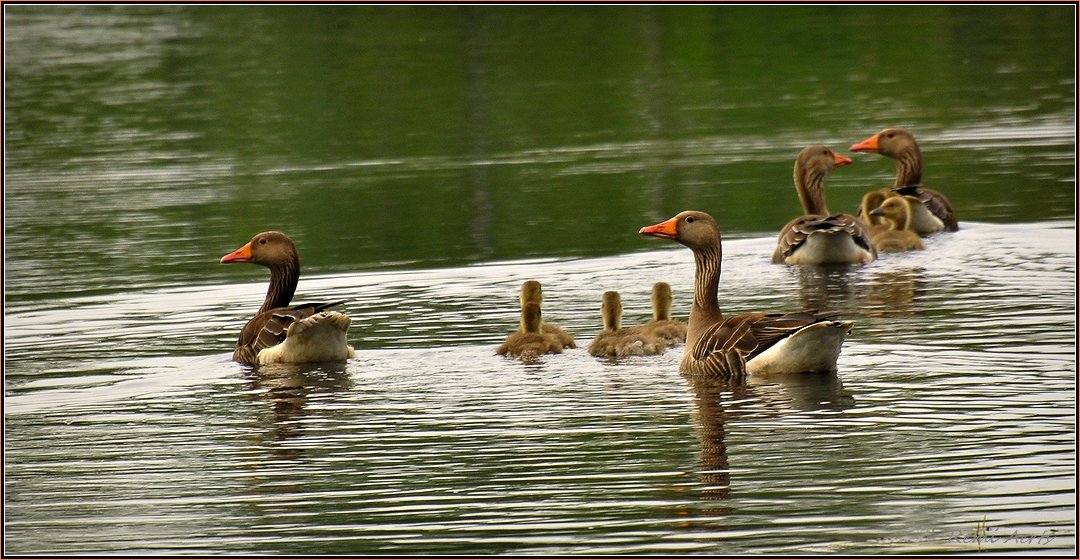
(283,278)
(909,167)
(661,311)
(809,183)
(612,320)
(707,279)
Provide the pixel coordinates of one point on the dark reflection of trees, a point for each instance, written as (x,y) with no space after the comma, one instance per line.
(476,105)
(716,403)
(286,388)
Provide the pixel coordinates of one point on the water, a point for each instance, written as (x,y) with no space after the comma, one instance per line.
(132,165)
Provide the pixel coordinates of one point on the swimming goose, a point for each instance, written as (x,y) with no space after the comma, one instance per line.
(528,341)
(870,201)
(531,291)
(278,332)
(896,210)
(818,237)
(754,343)
(662,326)
(617,341)
(930,210)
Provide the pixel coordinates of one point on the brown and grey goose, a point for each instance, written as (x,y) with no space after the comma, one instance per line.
(616,341)
(931,211)
(818,237)
(278,332)
(749,343)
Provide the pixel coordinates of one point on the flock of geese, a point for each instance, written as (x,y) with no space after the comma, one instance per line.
(889,220)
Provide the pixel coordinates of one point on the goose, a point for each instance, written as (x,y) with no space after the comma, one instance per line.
(618,341)
(531,291)
(662,326)
(749,343)
(528,341)
(931,211)
(896,210)
(870,201)
(818,237)
(308,332)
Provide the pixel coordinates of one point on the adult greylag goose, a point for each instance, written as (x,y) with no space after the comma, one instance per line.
(278,332)
(749,343)
(818,237)
(531,292)
(662,326)
(896,210)
(930,210)
(528,341)
(618,341)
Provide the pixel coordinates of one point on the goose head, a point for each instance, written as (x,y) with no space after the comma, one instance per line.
(270,249)
(811,166)
(819,160)
(694,229)
(891,142)
(531,292)
(896,210)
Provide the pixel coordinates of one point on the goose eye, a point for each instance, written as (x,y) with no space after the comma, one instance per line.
(689,219)
(262,241)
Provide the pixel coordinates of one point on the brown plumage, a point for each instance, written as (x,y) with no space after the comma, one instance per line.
(532,292)
(662,326)
(896,211)
(759,343)
(870,201)
(314,334)
(528,341)
(617,341)
(931,211)
(818,237)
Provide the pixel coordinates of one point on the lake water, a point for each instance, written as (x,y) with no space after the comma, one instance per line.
(427,160)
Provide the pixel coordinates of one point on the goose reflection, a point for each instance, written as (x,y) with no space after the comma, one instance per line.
(287,388)
(717,402)
(895,293)
(827,286)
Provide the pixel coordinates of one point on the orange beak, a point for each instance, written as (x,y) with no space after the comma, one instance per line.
(242,254)
(868,145)
(665,230)
(841,161)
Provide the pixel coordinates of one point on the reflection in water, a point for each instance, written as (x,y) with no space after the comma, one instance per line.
(710,416)
(716,402)
(894,293)
(854,288)
(287,388)
(476,103)
(826,287)
(802,391)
